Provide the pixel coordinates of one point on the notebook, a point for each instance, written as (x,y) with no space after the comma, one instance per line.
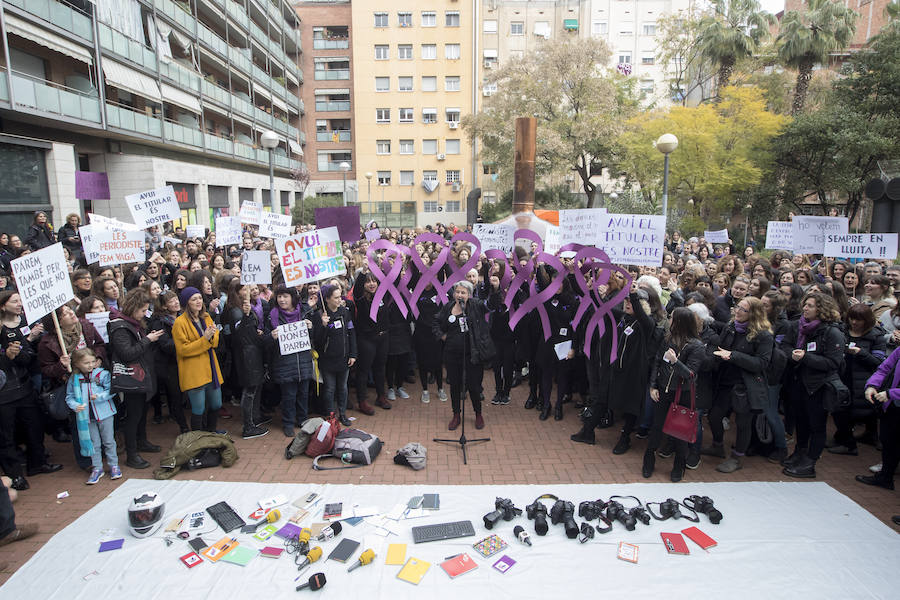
(396,554)
(414,570)
(699,538)
(220,549)
(674,543)
(266,532)
(459,565)
(240,555)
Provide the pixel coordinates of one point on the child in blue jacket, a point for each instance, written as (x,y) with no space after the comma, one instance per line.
(88,394)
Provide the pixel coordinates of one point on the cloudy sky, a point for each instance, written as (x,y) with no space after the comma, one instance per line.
(773,6)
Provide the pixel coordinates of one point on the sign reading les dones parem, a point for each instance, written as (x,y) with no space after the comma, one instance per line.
(293,338)
(43,281)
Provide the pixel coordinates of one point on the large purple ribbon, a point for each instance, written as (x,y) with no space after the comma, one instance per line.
(458,273)
(428,273)
(536,299)
(498,255)
(596,262)
(386,281)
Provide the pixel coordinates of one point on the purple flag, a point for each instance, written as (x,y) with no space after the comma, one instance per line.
(345,218)
(91,185)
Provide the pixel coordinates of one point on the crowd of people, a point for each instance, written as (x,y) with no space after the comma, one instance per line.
(761,344)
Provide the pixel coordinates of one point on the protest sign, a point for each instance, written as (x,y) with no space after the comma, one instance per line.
(862,245)
(581,225)
(373,234)
(228,231)
(256,267)
(100,321)
(274,225)
(154,207)
(42,279)
(494,236)
(810,232)
(552,240)
(780,235)
(109,223)
(345,218)
(293,338)
(716,237)
(250,212)
(633,239)
(197,231)
(171,240)
(117,247)
(310,256)
(88,234)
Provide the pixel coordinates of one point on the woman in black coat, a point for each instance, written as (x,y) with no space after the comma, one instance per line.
(167,309)
(334,338)
(429,352)
(560,311)
(372,341)
(706,376)
(399,348)
(69,237)
(40,234)
(504,338)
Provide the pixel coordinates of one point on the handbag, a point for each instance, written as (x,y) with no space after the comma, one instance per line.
(835,395)
(129,378)
(53,400)
(681,421)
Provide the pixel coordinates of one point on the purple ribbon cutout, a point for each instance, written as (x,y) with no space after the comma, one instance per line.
(497,255)
(428,274)
(535,299)
(459,273)
(386,280)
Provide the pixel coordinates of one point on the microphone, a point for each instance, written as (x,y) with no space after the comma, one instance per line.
(329,532)
(314,555)
(271,517)
(522,535)
(316,582)
(364,559)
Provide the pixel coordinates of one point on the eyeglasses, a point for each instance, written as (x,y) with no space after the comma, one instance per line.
(741,309)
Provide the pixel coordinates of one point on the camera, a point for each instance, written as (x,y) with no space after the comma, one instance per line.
(537,512)
(504,509)
(704,504)
(587,533)
(641,514)
(669,509)
(616,512)
(590,509)
(563,512)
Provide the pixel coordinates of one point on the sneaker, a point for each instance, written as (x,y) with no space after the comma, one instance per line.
(641,433)
(496,399)
(254,431)
(730,465)
(426,397)
(115,472)
(777,455)
(288,432)
(504,400)
(96,474)
(262,421)
(693,460)
(391,395)
(402,393)
(442,395)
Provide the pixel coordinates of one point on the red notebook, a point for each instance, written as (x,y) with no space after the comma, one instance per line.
(674,543)
(458,565)
(699,538)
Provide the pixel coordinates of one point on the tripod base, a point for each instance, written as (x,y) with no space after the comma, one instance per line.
(462,441)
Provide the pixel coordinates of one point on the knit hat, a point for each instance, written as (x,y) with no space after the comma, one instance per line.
(186,294)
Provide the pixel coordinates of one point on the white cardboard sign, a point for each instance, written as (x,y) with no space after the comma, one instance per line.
(581,225)
(88,234)
(154,207)
(810,232)
(250,212)
(293,338)
(228,231)
(197,231)
(120,247)
(273,225)
(42,279)
(780,235)
(633,239)
(716,237)
(256,267)
(494,236)
(876,246)
(100,321)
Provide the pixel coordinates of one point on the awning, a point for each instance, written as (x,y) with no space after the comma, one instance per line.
(330,91)
(295,147)
(277,102)
(128,79)
(430,185)
(488,53)
(180,98)
(429,111)
(21,28)
(262,92)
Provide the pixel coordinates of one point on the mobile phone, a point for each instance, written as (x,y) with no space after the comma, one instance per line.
(431,501)
(415,502)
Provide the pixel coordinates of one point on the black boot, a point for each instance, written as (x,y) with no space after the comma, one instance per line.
(805,468)
(795,457)
(649,463)
(136,461)
(623,444)
(677,469)
(545,410)
(606,420)
(557,414)
(532,400)
(196,422)
(212,419)
(585,436)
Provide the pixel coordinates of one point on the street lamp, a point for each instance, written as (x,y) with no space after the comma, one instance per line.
(345,166)
(369,185)
(269,140)
(747,224)
(666,144)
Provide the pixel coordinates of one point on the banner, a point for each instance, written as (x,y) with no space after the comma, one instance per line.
(228,231)
(110,223)
(256,267)
(780,235)
(100,321)
(250,212)
(633,239)
(274,225)
(88,236)
(581,225)
(876,246)
(154,207)
(293,338)
(120,247)
(42,278)
(494,236)
(196,231)
(810,232)
(310,256)
(716,237)
(345,218)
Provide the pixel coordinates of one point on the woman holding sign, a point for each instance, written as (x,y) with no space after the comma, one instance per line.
(334,338)
(292,372)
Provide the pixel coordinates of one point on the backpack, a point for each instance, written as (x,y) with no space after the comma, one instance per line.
(412,455)
(301,439)
(354,447)
(322,440)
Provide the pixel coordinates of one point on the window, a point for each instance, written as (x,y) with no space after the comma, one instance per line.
(451,51)
(430,206)
(429,147)
(490,26)
(407,177)
(648,29)
(382,52)
(488,168)
(406,115)
(489,197)
(451,147)
(452,176)
(542,28)
(381,19)
(489,89)
(429,18)
(625,57)
(451,18)
(383,147)
(627,29)
(405,84)
(429,51)
(384,178)
(648,59)
(404,51)
(646,86)
(451,83)
(382,115)
(517,28)
(404,19)
(407,147)
(452,115)
(429,175)
(453,206)
(429,83)
(382,84)
(599,28)
(429,115)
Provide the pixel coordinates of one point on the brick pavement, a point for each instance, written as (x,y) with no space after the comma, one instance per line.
(523,450)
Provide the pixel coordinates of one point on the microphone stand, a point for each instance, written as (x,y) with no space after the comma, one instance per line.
(462,441)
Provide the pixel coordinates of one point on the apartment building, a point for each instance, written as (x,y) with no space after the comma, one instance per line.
(871,19)
(104,98)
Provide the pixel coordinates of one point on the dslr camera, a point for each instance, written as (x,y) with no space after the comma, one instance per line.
(590,509)
(503,509)
(537,512)
(563,512)
(704,504)
(616,512)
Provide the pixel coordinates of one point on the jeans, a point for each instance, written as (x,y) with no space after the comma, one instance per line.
(205,398)
(695,447)
(774,418)
(293,407)
(334,390)
(102,432)
(250,405)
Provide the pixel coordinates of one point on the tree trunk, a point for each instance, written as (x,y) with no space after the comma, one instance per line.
(804,74)
(725,69)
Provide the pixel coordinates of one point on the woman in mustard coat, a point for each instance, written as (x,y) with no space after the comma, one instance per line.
(196,338)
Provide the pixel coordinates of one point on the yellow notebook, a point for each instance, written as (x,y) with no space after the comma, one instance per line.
(396,554)
(414,570)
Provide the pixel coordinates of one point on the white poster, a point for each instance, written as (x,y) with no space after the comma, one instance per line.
(87,233)
(196,231)
(634,239)
(875,246)
(102,222)
(273,225)
(171,240)
(154,207)
(120,247)
(494,236)
(293,338)
(810,232)
(310,256)
(228,231)
(42,279)
(99,320)
(552,241)
(780,235)
(256,267)
(581,225)
(250,212)
(716,237)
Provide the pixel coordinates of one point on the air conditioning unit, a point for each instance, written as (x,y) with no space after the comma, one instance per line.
(487,92)
(453,124)
(455,187)
(441,156)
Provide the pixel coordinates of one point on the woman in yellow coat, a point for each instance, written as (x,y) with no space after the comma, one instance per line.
(196,338)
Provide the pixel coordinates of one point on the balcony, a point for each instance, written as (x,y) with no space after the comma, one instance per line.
(243,106)
(334,166)
(239,59)
(303,138)
(279,125)
(61,15)
(216,92)
(262,116)
(244,151)
(176,132)
(327,106)
(210,39)
(4,88)
(238,13)
(124,46)
(47,96)
(218,144)
(123,117)
(339,44)
(292,132)
(332,74)
(182,76)
(261,76)
(171,9)
(328,136)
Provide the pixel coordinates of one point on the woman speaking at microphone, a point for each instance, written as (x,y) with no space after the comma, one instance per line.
(462,327)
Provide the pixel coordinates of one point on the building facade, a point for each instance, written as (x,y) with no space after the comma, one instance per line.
(143,94)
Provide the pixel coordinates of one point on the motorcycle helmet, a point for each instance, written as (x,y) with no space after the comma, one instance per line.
(145,514)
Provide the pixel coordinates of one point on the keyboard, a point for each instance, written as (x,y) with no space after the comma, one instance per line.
(225,516)
(442,531)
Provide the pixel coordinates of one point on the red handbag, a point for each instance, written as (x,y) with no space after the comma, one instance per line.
(322,441)
(681,421)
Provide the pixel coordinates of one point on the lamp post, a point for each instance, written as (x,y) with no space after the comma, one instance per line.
(369,186)
(269,140)
(666,144)
(345,166)
(747,223)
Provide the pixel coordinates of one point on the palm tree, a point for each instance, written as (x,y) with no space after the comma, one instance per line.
(733,32)
(807,37)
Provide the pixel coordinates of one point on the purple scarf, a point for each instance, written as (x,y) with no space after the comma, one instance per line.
(807,328)
(257,308)
(741,327)
(289,317)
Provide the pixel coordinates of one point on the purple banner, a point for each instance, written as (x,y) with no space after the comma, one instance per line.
(91,185)
(345,218)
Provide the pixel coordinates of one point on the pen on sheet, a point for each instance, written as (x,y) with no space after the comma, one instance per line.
(454,556)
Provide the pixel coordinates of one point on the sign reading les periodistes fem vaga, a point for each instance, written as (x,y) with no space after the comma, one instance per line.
(310,256)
